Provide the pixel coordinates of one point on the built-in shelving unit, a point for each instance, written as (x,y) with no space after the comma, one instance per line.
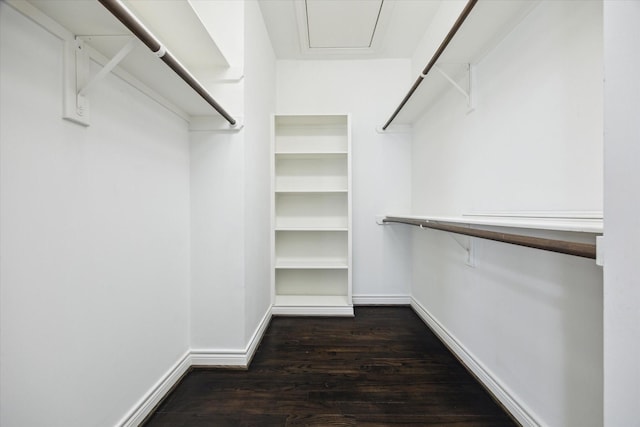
(311,215)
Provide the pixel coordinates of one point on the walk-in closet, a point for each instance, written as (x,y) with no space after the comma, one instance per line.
(319,212)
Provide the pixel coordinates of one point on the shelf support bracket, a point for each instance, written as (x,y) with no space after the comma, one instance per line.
(78,81)
(468,93)
(466,243)
(109,66)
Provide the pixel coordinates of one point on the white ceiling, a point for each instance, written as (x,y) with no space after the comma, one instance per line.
(330,23)
(346,29)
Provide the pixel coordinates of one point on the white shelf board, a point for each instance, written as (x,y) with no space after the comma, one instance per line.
(311,228)
(308,121)
(311,223)
(311,263)
(106,35)
(310,190)
(487,24)
(311,153)
(312,300)
(582,223)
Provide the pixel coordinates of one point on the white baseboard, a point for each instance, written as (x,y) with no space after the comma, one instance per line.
(486,377)
(145,405)
(219,358)
(331,311)
(254,342)
(381,299)
(198,357)
(232,358)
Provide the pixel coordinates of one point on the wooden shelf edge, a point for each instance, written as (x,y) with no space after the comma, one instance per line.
(564,222)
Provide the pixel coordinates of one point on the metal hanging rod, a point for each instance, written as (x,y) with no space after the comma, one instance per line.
(452,32)
(585,250)
(129,20)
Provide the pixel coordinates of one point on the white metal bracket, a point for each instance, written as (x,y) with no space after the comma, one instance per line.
(78,81)
(468,244)
(469,92)
(76,72)
(108,67)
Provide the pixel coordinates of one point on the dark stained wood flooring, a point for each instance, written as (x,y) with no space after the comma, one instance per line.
(383,367)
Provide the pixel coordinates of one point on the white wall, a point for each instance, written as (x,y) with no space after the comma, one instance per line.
(621,205)
(260,99)
(532,319)
(94,241)
(217,241)
(381,178)
(444,18)
(217,211)
(230,205)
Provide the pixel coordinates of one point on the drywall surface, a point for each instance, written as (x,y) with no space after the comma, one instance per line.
(381,177)
(221,19)
(260,99)
(446,15)
(534,141)
(230,204)
(217,241)
(621,206)
(217,210)
(533,320)
(94,241)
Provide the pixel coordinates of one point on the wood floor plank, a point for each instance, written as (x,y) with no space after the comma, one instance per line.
(383,367)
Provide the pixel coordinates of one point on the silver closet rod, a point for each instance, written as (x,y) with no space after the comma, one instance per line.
(123,14)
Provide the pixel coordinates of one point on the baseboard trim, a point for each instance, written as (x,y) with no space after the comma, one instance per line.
(381,300)
(233,359)
(256,338)
(159,390)
(281,310)
(488,380)
(240,358)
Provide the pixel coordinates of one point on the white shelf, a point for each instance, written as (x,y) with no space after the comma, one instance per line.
(311,263)
(311,134)
(299,172)
(312,300)
(314,156)
(313,152)
(311,216)
(487,24)
(311,185)
(104,36)
(311,228)
(310,211)
(325,282)
(311,191)
(572,222)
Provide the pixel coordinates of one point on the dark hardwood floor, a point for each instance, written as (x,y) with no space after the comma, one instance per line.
(383,367)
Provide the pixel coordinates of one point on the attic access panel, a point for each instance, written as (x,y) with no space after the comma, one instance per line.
(344,24)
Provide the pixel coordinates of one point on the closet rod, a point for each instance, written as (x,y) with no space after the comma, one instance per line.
(129,20)
(452,32)
(585,250)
